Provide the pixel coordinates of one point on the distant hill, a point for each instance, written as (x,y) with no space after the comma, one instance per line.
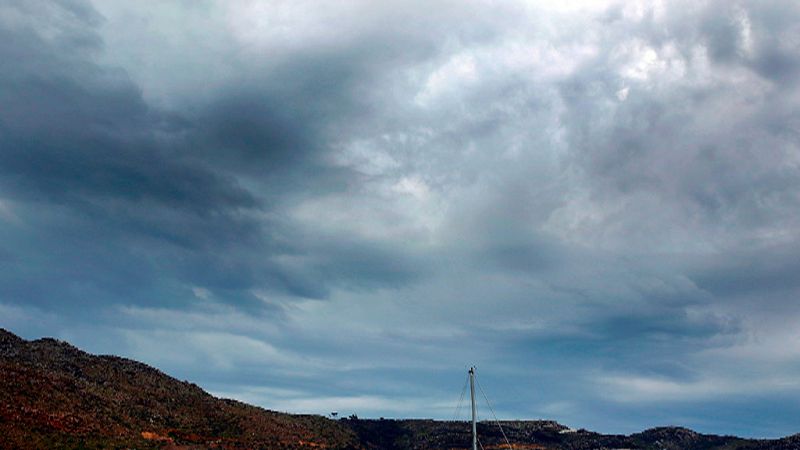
(544,435)
(53,395)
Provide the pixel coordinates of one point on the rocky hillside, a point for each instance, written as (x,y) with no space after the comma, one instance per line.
(544,435)
(53,395)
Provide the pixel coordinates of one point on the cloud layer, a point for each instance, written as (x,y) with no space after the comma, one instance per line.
(317,207)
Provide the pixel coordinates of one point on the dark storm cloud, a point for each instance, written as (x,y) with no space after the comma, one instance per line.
(82,148)
(284,120)
(127,195)
(75,132)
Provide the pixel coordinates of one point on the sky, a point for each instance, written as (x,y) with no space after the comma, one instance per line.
(341,206)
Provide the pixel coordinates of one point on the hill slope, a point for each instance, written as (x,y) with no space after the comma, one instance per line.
(53,395)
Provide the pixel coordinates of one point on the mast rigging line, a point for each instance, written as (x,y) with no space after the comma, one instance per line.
(493,414)
(461,399)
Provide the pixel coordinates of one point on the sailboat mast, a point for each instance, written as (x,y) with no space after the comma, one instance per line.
(474,411)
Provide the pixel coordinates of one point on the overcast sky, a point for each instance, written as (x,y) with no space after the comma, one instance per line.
(339,206)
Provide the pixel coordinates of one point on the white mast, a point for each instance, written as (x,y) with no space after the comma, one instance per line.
(474,411)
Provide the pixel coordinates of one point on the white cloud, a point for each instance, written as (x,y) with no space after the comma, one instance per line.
(218,350)
(201,293)
(641,389)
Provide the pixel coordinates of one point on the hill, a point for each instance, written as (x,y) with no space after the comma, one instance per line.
(544,435)
(53,395)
